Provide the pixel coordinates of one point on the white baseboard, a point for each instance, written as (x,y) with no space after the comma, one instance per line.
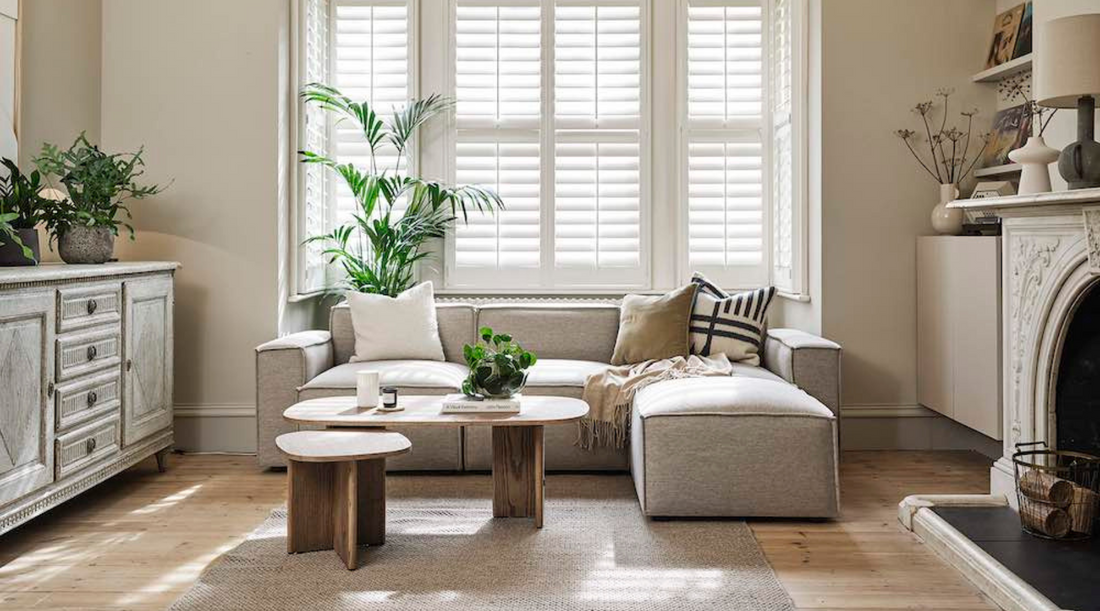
(215,428)
(908,427)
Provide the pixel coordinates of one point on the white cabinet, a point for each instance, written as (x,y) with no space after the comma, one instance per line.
(958,329)
(85,378)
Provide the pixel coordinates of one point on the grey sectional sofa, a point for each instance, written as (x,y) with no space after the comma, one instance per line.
(762,442)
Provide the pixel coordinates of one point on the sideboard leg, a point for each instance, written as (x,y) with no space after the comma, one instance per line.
(162,459)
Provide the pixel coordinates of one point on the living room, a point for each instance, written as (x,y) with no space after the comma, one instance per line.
(548,304)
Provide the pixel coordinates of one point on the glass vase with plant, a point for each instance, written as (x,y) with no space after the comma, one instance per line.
(498,366)
(952,153)
(1034,157)
(21,209)
(99,187)
(396,214)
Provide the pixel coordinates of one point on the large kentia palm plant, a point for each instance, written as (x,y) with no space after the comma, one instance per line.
(380,247)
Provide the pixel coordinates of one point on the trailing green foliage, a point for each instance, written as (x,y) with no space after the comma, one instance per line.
(380,247)
(498,366)
(99,185)
(21,206)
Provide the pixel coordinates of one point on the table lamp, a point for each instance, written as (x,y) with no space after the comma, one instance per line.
(1067,75)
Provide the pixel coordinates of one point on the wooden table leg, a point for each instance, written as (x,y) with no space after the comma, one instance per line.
(518,472)
(345,513)
(372,501)
(309,506)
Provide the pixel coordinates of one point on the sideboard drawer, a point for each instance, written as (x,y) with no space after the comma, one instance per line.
(78,355)
(88,399)
(86,446)
(83,307)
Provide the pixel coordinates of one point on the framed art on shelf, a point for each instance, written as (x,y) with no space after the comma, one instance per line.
(1011,127)
(1006,30)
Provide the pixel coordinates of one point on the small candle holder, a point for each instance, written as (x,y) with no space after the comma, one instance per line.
(389,399)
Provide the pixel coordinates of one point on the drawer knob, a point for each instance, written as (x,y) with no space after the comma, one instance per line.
(92,352)
(90,444)
(92,305)
(92,398)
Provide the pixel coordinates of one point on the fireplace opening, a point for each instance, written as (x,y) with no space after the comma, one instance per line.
(1077,393)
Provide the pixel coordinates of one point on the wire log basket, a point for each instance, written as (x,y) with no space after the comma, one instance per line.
(1057,491)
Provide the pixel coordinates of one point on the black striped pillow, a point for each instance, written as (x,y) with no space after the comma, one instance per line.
(733,325)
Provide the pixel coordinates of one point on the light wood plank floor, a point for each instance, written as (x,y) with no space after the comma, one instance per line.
(139,540)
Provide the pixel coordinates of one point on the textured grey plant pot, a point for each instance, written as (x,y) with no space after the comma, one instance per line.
(11,255)
(80,244)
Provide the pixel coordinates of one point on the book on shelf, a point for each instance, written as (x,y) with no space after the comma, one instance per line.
(461,404)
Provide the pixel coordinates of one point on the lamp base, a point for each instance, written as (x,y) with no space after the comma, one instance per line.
(1079,162)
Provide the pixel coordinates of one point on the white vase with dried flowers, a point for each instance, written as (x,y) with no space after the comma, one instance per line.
(1035,156)
(950,158)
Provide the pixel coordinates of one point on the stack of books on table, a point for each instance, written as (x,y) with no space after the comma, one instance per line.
(461,404)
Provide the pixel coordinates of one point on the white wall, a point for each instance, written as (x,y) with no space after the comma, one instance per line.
(202,85)
(879,58)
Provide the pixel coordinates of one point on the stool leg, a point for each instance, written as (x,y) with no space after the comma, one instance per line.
(309,506)
(372,501)
(345,512)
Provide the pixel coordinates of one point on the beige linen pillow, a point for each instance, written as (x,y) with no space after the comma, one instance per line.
(393,328)
(654,327)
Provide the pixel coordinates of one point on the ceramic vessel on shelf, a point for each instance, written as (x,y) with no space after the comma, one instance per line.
(947,221)
(1034,158)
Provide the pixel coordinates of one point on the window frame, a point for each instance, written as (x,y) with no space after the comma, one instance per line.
(432,58)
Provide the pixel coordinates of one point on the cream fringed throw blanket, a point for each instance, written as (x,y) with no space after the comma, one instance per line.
(610,395)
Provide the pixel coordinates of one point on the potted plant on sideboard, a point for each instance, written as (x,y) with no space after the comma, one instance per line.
(21,208)
(99,186)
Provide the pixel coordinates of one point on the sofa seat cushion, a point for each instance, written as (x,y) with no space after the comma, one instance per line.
(408,376)
(737,395)
(755,371)
(561,377)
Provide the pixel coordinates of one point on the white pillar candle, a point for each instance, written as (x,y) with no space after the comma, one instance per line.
(366,388)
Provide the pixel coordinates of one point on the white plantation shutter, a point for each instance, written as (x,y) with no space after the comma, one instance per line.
(570,179)
(598,156)
(724,129)
(783,162)
(370,63)
(498,90)
(313,136)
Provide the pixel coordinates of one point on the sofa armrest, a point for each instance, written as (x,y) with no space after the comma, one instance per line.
(809,362)
(282,365)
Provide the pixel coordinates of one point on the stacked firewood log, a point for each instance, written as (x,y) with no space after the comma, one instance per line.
(1056,507)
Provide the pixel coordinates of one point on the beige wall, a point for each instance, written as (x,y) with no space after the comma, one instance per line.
(200,85)
(879,57)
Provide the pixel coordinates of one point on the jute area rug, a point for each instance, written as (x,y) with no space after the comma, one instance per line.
(445,551)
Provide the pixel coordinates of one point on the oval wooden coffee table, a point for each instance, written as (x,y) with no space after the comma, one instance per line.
(519,472)
(336,489)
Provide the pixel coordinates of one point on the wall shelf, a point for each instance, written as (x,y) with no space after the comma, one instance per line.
(996,73)
(997,170)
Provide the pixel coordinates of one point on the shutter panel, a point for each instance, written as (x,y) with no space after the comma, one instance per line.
(498,78)
(726,153)
(783,214)
(725,64)
(313,193)
(597,118)
(371,63)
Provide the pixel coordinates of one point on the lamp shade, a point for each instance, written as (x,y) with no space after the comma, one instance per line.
(1067,57)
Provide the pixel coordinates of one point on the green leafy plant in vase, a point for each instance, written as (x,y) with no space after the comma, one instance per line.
(21,209)
(99,187)
(498,366)
(397,214)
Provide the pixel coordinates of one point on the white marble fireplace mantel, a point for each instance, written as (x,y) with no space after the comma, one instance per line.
(1050,249)
(1046,272)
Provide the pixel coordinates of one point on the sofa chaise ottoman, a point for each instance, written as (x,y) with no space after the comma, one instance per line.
(762,442)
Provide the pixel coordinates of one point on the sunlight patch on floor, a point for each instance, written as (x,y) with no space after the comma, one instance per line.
(608,582)
(168,501)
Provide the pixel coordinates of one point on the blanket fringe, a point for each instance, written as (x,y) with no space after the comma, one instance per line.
(605,433)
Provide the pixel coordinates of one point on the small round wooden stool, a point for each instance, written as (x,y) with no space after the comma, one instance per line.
(336,492)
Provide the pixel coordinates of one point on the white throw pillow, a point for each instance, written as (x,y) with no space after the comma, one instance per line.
(734,325)
(391,328)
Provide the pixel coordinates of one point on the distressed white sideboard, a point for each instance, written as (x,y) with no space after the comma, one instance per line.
(85,378)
